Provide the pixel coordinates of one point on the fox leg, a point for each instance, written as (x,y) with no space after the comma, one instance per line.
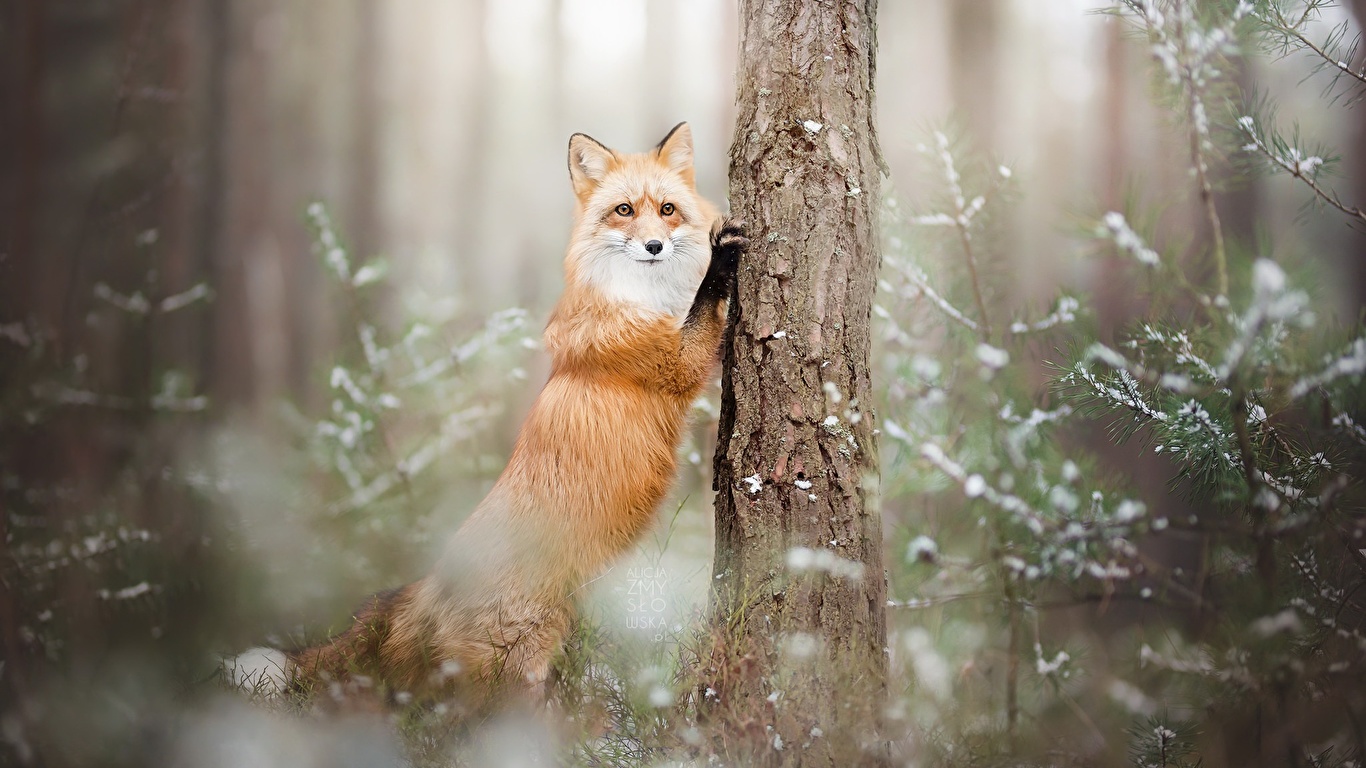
(706,322)
(527,656)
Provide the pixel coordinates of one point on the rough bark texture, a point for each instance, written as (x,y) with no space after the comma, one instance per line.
(797,463)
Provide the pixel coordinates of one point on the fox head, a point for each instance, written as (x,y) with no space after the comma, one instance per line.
(640,227)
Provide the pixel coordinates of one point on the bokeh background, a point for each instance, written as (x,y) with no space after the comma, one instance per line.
(436,132)
(159,149)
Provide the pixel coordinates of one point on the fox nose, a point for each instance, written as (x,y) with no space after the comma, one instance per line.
(654,247)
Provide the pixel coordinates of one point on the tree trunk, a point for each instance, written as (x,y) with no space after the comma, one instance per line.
(799,588)
(975,47)
(1356,159)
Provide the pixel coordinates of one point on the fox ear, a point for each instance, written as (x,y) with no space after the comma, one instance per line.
(588,163)
(676,150)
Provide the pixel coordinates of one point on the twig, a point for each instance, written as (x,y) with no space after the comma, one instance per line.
(1194,106)
(1298,172)
(1013,664)
(921,282)
(976,283)
(964,212)
(1286,28)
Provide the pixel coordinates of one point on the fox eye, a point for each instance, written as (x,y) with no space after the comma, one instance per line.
(667,209)
(625,209)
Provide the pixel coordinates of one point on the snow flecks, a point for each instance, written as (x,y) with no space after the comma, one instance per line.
(832,392)
(992,357)
(950,171)
(1124,392)
(193,295)
(753,483)
(1344,422)
(802,559)
(801,645)
(1273,303)
(1055,666)
(134,303)
(127,593)
(922,549)
(1070,471)
(263,671)
(975,485)
(1350,362)
(1111,571)
(1006,502)
(1131,698)
(917,278)
(333,253)
(1291,159)
(896,432)
(931,669)
(660,696)
(1128,240)
(370,273)
(1130,510)
(812,126)
(1064,312)
(1284,622)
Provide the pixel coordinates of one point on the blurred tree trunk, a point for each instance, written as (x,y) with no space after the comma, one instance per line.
(104,188)
(1114,300)
(246,365)
(797,464)
(223,375)
(975,46)
(362,205)
(661,50)
(1356,173)
(25,36)
(475,99)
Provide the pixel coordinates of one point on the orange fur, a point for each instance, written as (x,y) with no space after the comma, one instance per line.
(593,460)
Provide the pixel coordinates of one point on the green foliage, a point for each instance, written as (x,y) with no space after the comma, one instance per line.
(1241,574)
(407,400)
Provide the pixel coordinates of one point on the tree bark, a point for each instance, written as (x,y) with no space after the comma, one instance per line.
(799,588)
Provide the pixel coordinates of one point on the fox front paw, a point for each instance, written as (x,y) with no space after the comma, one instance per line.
(728,242)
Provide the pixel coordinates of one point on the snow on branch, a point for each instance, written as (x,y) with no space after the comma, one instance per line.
(1295,162)
(1064,312)
(1272,303)
(1346,424)
(975,486)
(332,251)
(134,303)
(921,282)
(1128,240)
(1350,362)
(1125,395)
(1292,33)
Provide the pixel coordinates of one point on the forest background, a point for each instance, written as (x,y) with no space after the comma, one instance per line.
(181,319)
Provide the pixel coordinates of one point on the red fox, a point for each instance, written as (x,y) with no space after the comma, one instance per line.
(648,274)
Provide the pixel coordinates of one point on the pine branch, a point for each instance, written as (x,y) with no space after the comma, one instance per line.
(1303,169)
(1283,26)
